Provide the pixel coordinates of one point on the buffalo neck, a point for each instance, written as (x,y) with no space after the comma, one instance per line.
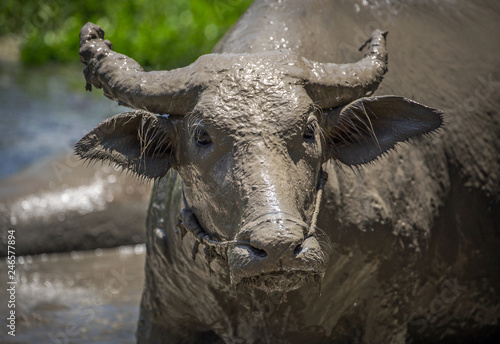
(274,25)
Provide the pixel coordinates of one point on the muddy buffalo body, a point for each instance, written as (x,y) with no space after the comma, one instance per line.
(263,227)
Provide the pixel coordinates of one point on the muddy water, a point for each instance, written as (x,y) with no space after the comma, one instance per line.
(77,297)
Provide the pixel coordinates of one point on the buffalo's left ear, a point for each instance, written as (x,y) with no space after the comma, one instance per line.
(366,128)
(138,141)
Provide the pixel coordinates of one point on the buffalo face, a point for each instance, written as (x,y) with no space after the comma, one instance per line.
(251,161)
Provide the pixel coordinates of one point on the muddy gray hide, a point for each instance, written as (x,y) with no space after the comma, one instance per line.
(412,237)
(60,204)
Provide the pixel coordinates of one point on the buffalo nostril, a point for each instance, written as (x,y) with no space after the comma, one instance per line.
(297,249)
(258,252)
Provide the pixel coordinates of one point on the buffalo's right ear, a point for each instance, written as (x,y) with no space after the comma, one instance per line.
(138,141)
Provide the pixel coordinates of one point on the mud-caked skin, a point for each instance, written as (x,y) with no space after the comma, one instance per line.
(247,144)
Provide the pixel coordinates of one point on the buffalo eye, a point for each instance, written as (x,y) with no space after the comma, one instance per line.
(202,138)
(309,132)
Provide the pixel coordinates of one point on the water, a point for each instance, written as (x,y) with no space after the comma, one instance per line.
(43,111)
(77,297)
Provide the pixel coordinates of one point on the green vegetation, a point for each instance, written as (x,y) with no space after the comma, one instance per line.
(161,34)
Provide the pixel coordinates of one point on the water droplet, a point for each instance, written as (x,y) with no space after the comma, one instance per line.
(75,255)
(139,249)
(125,250)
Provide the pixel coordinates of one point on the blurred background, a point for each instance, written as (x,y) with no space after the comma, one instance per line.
(78,230)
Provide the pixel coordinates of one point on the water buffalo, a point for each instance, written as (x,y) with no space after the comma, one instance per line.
(256,151)
(60,205)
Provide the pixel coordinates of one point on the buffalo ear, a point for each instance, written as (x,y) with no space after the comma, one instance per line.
(366,128)
(137,141)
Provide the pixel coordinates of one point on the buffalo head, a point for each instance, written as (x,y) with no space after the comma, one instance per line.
(248,134)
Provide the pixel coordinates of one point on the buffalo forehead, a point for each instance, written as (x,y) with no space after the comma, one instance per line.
(255,97)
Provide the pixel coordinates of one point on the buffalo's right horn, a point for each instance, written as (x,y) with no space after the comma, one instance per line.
(124,80)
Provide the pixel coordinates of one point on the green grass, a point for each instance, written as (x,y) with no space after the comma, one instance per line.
(160,34)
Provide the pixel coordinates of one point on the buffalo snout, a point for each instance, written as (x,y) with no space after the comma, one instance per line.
(275,253)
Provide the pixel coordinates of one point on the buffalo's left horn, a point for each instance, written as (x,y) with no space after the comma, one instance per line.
(330,85)
(124,80)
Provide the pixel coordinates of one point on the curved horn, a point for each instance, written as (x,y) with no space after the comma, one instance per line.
(123,79)
(331,85)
